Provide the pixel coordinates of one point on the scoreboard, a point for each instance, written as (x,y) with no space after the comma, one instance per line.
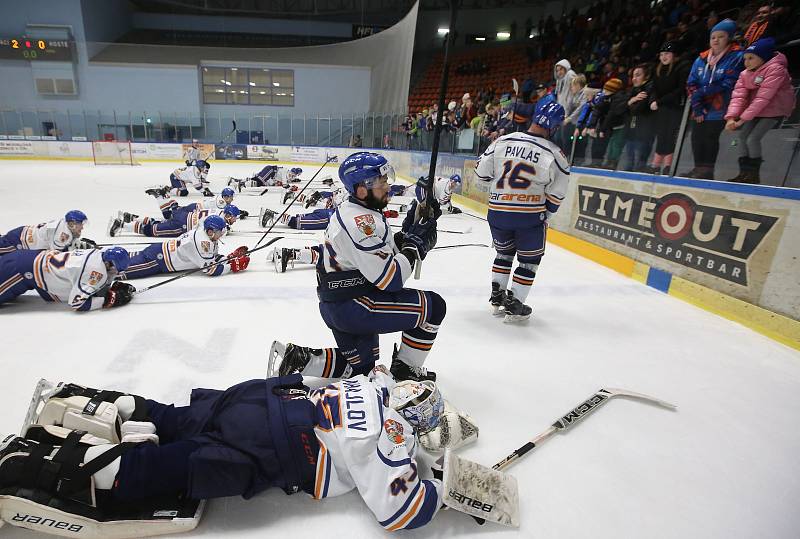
(36,49)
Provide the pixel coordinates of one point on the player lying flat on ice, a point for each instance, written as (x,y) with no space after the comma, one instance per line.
(270,175)
(57,235)
(364,433)
(167,204)
(194,249)
(183,219)
(81,278)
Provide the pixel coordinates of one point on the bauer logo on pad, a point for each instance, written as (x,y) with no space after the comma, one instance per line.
(366,224)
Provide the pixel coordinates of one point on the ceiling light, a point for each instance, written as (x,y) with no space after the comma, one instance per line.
(276,83)
(252,84)
(442,31)
(480,39)
(503,35)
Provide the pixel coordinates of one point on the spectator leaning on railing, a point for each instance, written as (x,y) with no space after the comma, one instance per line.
(762,97)
(667,100)
(640,126)
(711,80)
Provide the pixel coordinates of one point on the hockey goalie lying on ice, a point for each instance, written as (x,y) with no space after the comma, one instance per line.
(106,464)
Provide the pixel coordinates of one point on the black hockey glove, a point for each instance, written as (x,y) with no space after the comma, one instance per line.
(453,210)
(434,211)
(244,214)
(85,243)
(420,239)
(118,294)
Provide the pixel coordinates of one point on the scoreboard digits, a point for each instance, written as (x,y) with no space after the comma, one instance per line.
(33,49)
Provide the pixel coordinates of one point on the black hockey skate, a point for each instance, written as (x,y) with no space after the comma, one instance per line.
(403,371)
(126,217)
(287,195)
(288,359)
(514,309)
(207,192)
(114,226)
(158,192)
(315,197)
(266,217)
(281,257)
(497,299)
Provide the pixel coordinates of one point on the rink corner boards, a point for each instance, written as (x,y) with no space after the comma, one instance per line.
(775,326)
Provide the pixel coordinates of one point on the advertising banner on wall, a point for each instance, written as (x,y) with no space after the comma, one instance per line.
(152,150)
(230,151)
(261,152)
(699,230)
(16,147)
(471,186)
(206,150)
(308,153)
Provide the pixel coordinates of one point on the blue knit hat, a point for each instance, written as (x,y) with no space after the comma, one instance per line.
(763,48)
(725,25)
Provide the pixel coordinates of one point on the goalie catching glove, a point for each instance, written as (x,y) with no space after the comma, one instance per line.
(455,429)
(118,294)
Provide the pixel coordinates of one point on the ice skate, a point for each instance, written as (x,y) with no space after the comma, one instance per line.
(114,226)
(285,359)
(515,310)
(266,216)
(282,256)
(126,217)
(497,300)
(403,371)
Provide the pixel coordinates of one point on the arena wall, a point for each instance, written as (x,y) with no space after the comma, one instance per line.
(728,248)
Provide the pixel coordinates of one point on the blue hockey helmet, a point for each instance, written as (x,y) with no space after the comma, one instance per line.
(227,192)
(215,223)
(230,209)
(75,215)
(456,178)
(204,166)
(364,168)
(117,257)
(297,170)
(550,117)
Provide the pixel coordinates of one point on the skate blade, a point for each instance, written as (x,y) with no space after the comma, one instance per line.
(497,310)
(44,388)
(515,318)
(276,354)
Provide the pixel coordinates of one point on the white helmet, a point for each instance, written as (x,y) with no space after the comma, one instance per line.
(420,403)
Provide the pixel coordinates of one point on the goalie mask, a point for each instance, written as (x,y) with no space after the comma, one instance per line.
(420,403)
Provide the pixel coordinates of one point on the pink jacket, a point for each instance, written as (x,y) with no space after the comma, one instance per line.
(763,93)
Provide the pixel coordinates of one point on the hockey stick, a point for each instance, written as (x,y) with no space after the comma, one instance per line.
(232,131)
(467,231)
(425,207)
(569,419)
(460,245)
(475,216)
(296,196)
(190,272)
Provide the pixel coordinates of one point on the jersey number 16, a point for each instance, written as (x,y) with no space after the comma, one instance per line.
(518,176)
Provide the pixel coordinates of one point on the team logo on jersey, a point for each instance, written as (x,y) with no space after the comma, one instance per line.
(366,224)
(95,278)
(28,275)
(394,431)
(205,246)
(64,237)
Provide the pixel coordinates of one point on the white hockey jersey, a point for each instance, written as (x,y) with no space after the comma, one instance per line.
(191,175)
(442,192)
(190,251)
(192,154)
(358,238)
(72,277)
(529,177)
(365,444)
(52,235)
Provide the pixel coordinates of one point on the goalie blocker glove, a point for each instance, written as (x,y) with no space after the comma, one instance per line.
(118,294)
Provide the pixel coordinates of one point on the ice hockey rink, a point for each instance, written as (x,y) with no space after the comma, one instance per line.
(725,464)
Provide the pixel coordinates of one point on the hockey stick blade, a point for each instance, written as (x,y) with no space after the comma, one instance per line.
(572,417)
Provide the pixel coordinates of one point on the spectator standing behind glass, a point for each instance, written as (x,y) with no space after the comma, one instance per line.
(597,125)
(711,80)
(639,137)
(761,98)
(667,101)
(573,110)
(564,76)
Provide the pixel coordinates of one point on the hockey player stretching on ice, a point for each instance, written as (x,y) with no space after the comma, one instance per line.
(195,249)
(364,433)
(529,177)
(58,235)
(80,278)
(315,220)
(167,204)
(194,174)
(268,176)
(360,284)
(442,190)
(183,219)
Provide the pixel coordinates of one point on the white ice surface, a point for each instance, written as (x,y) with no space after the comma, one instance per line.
(724,465)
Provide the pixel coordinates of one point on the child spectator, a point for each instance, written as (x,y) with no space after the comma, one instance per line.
(667,101)
(711,81)
(605,121)
(761,98)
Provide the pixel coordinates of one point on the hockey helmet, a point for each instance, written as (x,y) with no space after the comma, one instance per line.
(231,214)
(550,117)
(117,257)
(204,166)
(364,168)
(76,216)
(455,178)
(215,223)
(420,403)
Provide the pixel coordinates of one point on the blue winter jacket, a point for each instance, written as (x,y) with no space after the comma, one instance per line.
(710,90)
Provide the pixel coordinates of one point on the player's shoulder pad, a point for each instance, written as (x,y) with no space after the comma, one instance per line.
(396,441)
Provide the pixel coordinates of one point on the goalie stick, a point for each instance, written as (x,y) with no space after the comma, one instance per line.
(572,417)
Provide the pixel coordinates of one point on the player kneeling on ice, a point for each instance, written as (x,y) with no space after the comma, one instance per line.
(183,219)
(93,458)
(194,249)
(360,284)
(194,174)
(270,175)
(443,189)
(529,177)
(57,235)
(83,278)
